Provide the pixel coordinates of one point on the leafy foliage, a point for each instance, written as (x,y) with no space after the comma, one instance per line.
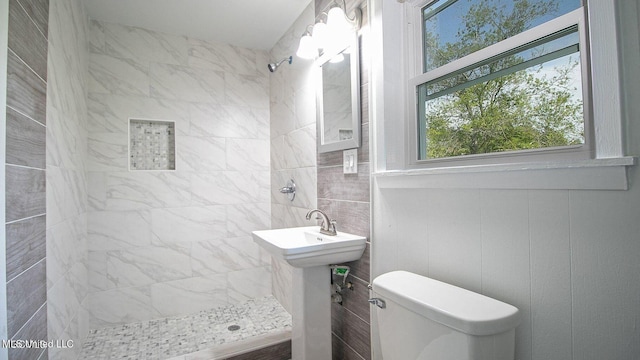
(527,109)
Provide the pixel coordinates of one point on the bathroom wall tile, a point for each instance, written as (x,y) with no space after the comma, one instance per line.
(278,154)
(306,188)
(223,57)
(550,274)
(66,241)
(97,272)
(334,158)
(305,106)
(506,256)
(118,230)
(25,141)
(183,225)
(147,265)
(107,152)
(219,256)
(247,90)
(35,329)
(242,219)
(299,148)
(453,228)
(26,92)
(26,244)
(229,121)
(110,75)
(279,180)
(340,350)
(144,190)
(283,120)
(351,329)
(26,40)
(111,113)
(334,184)
(25,193)
(231,187)
(38,12)
(356,298)
(175,82)
(140,44)
(190,295)
(121,306)
(282,283)
(200,154)
(96,37)
(25,295)
(96,190)
(247,154)
(248,284)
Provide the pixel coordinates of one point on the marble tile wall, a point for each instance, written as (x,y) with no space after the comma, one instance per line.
(166,243)
(346,197)
(293,143)
(67,258)
(25,176)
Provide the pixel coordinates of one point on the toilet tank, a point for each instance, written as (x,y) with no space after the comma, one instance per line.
(426,319)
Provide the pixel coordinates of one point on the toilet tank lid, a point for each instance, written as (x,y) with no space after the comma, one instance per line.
(458,308)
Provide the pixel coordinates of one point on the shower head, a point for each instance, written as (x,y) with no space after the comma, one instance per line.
(274,66)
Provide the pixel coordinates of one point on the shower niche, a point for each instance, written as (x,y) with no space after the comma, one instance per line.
(152,144)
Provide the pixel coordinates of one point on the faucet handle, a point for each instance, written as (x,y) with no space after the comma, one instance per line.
(332,226)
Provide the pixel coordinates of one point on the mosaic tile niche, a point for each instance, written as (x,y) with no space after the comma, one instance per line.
(152,145)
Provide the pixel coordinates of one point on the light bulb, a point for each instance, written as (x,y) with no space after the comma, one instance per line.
(307,48)
(337,20)
(320,35)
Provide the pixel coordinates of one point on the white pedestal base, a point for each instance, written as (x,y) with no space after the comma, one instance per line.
(311,337)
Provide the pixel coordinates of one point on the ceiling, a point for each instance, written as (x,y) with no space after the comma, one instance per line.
(254,24)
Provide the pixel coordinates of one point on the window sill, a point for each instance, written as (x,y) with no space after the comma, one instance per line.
(597,174)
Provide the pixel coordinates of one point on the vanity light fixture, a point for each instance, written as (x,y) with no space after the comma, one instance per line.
(331,36)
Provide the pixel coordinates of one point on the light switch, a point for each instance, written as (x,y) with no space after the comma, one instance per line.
(350,161)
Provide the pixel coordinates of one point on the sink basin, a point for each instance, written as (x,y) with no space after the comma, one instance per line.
(306,246)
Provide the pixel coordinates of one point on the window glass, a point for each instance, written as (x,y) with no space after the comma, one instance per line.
(525,98)
(453,29)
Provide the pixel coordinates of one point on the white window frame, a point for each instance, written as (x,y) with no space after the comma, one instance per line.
(601,164)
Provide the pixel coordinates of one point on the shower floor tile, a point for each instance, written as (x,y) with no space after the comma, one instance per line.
(175,336)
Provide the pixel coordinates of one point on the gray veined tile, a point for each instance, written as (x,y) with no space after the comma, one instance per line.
(183,225)
(175,82)
(25,193)
(147,265)
(142,44)
(229,121)
(201,154)
(26,40)
(26,244)
(26,92)
(25,141)
(245,90)
(110,75)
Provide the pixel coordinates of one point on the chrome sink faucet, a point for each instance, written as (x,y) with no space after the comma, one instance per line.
(328,227)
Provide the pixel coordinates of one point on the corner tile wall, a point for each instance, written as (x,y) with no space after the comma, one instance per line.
(165,243)
(345,197)
(25,181)
(66,180)
(293,143)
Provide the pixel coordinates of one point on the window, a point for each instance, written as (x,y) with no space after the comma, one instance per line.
(500,78)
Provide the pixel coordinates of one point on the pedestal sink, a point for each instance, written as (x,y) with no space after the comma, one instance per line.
(310,253)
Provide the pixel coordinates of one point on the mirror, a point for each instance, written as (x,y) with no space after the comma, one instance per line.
(338,98)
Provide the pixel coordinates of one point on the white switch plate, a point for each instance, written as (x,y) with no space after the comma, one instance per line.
(350,161)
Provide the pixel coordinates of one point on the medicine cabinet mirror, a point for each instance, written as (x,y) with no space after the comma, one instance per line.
(338,98)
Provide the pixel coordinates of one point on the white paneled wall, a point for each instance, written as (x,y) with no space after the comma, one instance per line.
(293,143)
(566,259)
(164,243)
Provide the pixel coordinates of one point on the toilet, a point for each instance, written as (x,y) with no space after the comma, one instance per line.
(425,319)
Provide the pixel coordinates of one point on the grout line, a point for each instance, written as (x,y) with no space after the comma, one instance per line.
(27,65)
(34,22)
(24,271)
(26,322)
(27,116)
(23,219)
(347,345)
(25,167)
